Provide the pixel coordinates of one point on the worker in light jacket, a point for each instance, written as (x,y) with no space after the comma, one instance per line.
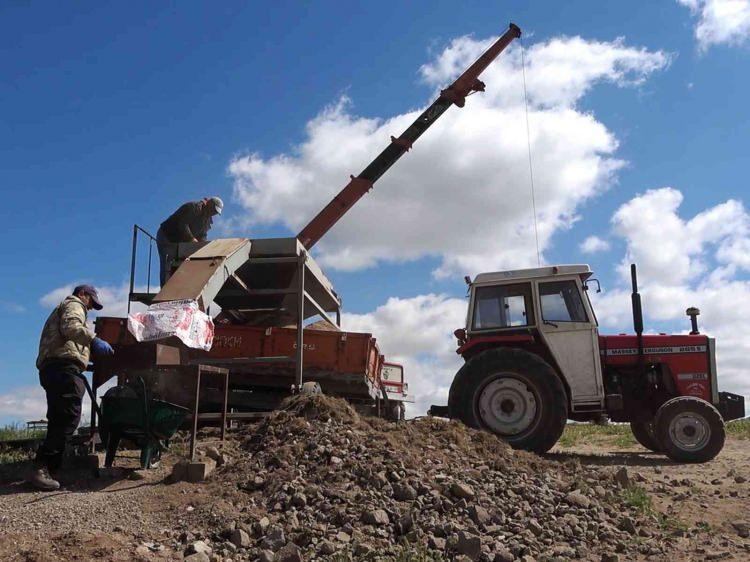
(64,349)
(190,223)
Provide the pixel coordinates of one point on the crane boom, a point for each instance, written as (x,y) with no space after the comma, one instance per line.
(455,94)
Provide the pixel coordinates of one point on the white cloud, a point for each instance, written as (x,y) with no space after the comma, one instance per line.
(701,261)
(593,245)
(12,307)
(462,193)
(23,404)
(674,250)
(27,403)
(720,21)
(114,298)
(418,333)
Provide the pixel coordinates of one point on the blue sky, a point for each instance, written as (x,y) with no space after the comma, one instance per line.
(115,114)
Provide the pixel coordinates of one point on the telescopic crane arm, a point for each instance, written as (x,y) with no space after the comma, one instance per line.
(456,94)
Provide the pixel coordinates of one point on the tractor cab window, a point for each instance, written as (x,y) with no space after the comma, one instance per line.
(502,306)
(561,302)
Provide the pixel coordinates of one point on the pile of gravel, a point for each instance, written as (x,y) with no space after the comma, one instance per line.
(319,482)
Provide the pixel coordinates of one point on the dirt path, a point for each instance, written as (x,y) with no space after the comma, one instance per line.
(108,518)
(712,496)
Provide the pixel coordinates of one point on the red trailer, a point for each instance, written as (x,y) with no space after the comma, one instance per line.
(261,362)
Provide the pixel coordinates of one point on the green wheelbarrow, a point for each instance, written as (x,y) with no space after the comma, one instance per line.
(147,422)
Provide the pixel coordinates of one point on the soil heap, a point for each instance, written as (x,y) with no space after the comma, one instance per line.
(315,481)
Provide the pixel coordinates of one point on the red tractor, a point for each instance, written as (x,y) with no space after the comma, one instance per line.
(534,359)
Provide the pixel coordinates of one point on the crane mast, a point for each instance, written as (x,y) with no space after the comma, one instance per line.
(456,94)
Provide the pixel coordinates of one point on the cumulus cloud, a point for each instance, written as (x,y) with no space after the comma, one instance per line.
(699,261)
(720,21)
(462,194)
(12,307)
(24,403)
(114,298)
(418,333)
(674,250)
(593,245)
(27,403)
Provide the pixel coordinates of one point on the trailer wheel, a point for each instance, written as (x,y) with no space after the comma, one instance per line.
(645,434)
(690,429)
(395,411)
(514,394)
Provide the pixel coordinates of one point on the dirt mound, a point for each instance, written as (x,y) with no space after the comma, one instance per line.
(318,407)
(316,481)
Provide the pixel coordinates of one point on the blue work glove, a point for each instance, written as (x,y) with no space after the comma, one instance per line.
(100,347)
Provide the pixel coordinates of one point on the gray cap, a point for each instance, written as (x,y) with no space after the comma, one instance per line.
(90,291)
(218,204)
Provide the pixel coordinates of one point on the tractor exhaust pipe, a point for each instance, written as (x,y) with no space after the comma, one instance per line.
(693,313)
(637,312)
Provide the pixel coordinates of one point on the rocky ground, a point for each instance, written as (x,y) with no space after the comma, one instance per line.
(317,482)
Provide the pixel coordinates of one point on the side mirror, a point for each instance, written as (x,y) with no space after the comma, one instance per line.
(598,285)
(460,336)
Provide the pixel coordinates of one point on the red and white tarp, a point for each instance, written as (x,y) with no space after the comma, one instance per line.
(182,319)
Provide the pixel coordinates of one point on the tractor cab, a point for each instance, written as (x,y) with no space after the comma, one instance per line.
(548,309)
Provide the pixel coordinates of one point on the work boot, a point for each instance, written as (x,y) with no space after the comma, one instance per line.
(40,478)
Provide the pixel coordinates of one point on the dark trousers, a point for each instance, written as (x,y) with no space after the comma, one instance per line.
(64,394)
(167,255)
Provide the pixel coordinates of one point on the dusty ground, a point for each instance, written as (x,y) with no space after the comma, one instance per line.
(94,518)
(711,496)
(120,519)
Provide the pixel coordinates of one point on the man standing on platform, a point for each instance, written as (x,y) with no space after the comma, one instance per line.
(190,223)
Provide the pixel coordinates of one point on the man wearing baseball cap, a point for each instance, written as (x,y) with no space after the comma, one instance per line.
(64,350)
(190,223)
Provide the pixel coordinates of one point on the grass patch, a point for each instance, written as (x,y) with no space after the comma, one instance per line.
(16,431)
(740,429)
(670,523)
(415,554)
(625,440)
(576,433)
(619,434)
(19,453)
(12,456)
(636,497)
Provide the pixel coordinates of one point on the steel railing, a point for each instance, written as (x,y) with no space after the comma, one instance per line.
(151,242)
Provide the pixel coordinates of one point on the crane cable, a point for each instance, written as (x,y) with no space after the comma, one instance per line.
(528,142)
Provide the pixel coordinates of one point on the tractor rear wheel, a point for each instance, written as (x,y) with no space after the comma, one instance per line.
(645,434)
(514,394)
(690,429)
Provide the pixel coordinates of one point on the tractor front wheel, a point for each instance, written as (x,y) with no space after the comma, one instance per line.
(645,434)
(690,429)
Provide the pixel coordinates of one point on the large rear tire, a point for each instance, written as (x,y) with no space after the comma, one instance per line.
(690,429)
(514,394)
(645,434)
